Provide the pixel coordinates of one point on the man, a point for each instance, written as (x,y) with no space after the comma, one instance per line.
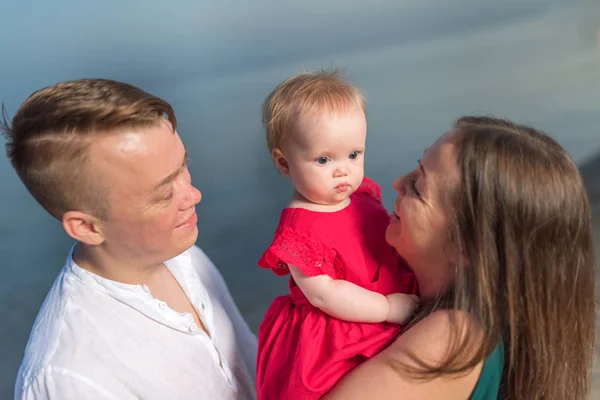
(138,311)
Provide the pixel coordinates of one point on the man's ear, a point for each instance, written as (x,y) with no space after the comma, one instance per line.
(83,227)
(280,162)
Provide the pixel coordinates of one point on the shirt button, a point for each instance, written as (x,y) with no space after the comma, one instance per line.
(162,305)
(193,327)
(203,306)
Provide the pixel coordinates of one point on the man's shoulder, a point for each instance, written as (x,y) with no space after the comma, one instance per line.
(45,338)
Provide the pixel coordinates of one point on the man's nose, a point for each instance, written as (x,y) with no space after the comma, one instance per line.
(192,197)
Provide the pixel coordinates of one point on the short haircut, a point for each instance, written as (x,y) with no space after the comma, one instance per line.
(49,137)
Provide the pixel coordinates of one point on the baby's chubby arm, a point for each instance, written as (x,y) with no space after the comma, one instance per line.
(349,302)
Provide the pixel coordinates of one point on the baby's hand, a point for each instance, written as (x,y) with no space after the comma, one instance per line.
(402,307)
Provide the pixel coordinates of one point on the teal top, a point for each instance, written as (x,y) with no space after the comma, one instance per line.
(488,385)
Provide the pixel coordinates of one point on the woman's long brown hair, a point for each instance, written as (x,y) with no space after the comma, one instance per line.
(521,217)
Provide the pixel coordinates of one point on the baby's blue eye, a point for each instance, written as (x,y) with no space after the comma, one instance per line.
(354,155)
(323,160)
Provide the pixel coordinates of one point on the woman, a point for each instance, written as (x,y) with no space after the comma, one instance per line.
(496,225)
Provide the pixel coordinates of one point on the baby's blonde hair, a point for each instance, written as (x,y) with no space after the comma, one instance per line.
(317,92)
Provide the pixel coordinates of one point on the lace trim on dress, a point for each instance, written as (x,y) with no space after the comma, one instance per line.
(311,256)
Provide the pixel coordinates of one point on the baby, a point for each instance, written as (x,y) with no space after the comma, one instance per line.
(349,290)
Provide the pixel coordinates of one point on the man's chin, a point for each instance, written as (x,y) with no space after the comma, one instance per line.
(192,240)
(183,245)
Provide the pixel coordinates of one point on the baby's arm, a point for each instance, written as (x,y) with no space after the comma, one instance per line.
(350,302)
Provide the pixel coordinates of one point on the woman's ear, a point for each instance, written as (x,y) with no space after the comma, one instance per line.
(280,162)
(455,255)
(83,227)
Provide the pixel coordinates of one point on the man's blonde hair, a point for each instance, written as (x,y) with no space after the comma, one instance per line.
(49,138)
(319,92)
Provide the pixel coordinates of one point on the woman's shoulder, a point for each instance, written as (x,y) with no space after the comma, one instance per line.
(432,336)
(430,341)
(490,378)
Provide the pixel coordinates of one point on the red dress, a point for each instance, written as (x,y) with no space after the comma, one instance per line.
(302,351)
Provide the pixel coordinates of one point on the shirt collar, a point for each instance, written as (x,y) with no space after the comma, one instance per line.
(140,298)
(114,287)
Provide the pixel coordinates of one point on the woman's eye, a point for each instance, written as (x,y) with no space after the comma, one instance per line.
(323,160)
(413,186)
(354,155)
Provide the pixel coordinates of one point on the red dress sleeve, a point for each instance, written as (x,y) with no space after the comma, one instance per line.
(370,188)
(309,255)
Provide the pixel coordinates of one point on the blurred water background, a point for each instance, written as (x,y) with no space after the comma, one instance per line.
(422,64)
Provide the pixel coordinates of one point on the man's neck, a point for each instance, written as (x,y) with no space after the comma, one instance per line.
(99,261)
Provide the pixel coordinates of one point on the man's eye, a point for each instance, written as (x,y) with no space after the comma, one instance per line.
(323,160)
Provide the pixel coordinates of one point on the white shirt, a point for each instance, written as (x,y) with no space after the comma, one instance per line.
(99,339)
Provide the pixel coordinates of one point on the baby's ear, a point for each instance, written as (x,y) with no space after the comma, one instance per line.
(280,162)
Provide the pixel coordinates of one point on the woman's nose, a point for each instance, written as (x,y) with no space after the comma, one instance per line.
(399,186)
